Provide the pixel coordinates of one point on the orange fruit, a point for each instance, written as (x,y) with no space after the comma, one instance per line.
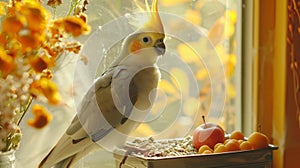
(204,148)
(246,145)
(220,148)
(232,145)
(216,145)
(240,141)
(258,140)
(207,152)
(226,141)
(238,135)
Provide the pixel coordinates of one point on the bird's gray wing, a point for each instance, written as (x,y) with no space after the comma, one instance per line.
(77,137)
(87,108)
(124,92)
(106,105)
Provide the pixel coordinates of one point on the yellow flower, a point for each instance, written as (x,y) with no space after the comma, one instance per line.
(30,40)
(6,62)
(47,88)
(14,47)
(54,3)
(50,51)
(73,47)
(47,73)
(2,8)
(13,8)
(41,117)
(73,25)
(13,24)
(3,40)
(83,17)
(35,14)
(40,63)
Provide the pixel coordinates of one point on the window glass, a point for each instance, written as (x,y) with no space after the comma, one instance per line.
(199,70)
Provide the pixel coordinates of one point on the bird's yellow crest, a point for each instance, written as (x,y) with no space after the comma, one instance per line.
(154,23)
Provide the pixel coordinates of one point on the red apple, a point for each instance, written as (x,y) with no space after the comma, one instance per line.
(208,134)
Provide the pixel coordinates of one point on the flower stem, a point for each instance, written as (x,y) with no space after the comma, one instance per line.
(72,7)
(25,110)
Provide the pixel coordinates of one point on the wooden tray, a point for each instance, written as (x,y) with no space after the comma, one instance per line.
(261,158)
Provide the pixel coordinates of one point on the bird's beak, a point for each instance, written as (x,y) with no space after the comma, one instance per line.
(160,47)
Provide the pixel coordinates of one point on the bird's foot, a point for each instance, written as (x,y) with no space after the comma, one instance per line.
(131,149)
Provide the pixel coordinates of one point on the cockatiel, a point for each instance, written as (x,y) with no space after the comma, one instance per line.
(118,100)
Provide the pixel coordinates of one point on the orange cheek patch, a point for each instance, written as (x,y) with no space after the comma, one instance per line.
(135,46)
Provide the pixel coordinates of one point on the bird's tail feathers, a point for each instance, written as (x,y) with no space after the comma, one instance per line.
(62,151)
(51,159)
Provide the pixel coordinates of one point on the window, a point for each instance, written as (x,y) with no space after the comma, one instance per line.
(201,72)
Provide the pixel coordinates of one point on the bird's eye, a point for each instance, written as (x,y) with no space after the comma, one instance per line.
(146,40)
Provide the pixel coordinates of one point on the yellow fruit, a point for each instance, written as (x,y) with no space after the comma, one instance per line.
(246,145)
(204,148)
(232,145)
(258,140)
(238,135)
(220,148)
